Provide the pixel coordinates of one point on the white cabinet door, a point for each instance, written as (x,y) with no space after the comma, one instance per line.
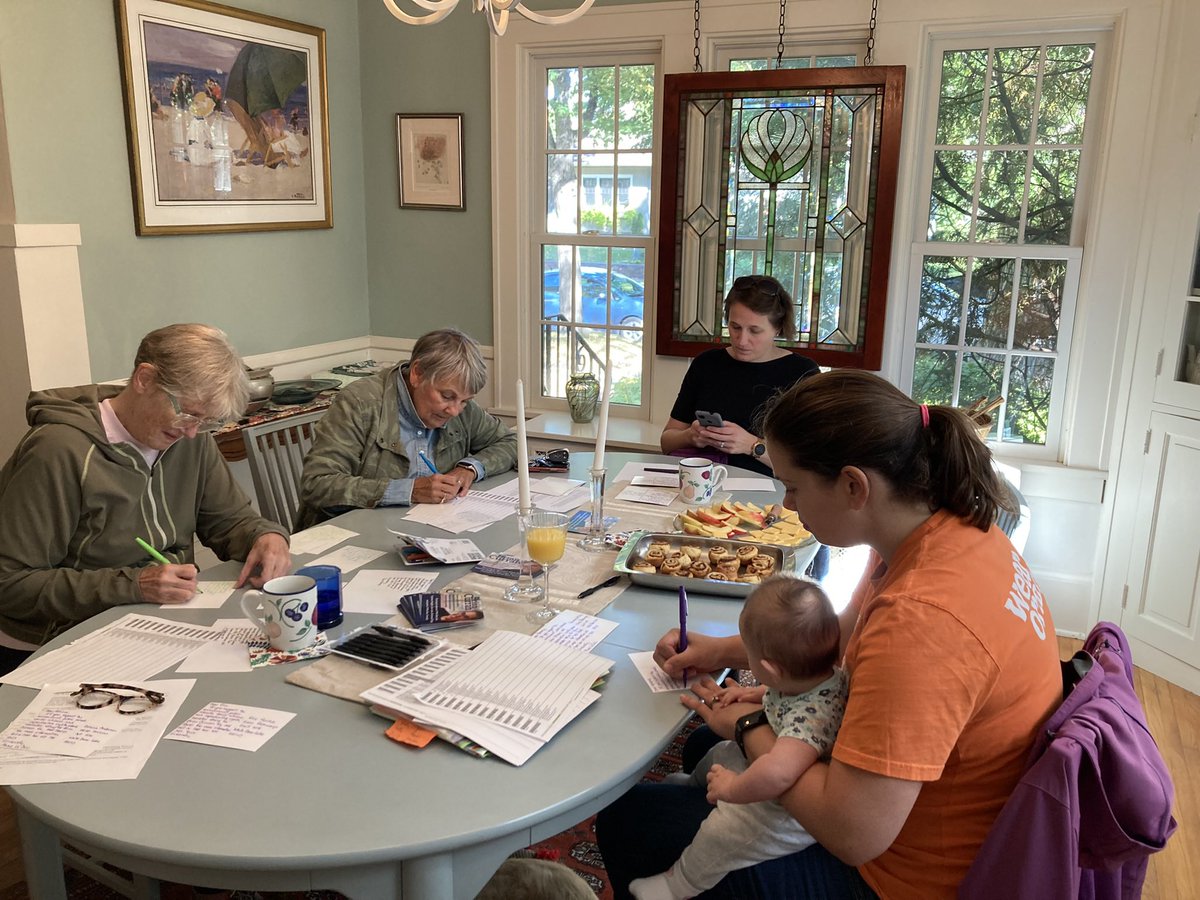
(1163,606)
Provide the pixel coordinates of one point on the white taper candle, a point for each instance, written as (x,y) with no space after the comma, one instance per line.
(602,425)
(522,450)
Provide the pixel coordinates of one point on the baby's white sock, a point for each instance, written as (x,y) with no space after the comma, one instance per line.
(668,885)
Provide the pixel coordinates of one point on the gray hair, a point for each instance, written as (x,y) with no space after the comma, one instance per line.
(197,363)
(450,355)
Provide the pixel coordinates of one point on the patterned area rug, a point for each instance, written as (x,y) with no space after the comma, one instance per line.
(574,848)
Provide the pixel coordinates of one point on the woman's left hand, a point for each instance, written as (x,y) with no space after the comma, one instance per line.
(268,558)
(729,438)
(704,701)
(465,478)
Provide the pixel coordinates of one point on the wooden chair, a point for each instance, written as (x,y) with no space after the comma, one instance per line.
(275,451)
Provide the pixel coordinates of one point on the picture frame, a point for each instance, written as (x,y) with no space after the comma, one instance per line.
(227,118)
(429,156)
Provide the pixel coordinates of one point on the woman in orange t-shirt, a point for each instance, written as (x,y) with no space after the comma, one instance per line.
(948,643)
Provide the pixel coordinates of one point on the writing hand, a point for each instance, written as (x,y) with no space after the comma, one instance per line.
(435,488)
(175,583)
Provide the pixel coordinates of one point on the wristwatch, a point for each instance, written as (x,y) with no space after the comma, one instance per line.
(748,722)
(759,449)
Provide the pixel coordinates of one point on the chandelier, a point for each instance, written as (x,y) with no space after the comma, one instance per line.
(497,12)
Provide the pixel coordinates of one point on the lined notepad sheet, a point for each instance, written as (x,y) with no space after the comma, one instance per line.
(133,648)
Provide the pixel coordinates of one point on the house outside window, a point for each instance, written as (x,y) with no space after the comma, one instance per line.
(592,243)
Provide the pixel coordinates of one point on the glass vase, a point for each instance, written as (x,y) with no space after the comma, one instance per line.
(583,390)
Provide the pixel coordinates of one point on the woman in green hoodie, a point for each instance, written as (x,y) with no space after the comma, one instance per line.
(104,464)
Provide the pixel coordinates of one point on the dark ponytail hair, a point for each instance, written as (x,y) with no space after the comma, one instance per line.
(847,417)
(765,296)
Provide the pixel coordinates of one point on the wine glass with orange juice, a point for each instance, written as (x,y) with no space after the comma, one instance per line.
(546,541)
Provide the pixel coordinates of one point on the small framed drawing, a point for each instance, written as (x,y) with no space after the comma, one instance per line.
(227,118)
(430,156)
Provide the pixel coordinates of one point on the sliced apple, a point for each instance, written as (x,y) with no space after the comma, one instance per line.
(709,518)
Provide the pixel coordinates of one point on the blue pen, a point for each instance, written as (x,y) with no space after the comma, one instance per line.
(425,459)
(683,626)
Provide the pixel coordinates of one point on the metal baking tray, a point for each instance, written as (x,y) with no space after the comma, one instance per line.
(639,542)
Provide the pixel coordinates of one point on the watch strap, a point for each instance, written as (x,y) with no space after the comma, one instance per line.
(748,722)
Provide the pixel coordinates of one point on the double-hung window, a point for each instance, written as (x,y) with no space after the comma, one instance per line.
(590,237)
(1001,218)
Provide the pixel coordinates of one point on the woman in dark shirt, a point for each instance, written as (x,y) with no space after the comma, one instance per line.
(737,381)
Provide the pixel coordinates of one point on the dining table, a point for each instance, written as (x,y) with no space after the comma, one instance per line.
(330,802)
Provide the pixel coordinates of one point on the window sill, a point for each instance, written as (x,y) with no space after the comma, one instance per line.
(623,434)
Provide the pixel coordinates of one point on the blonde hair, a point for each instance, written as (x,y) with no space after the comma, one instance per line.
(197,363)
(791,622)
(450,355)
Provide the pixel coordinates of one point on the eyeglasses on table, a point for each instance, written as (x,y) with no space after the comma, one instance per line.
(130,700)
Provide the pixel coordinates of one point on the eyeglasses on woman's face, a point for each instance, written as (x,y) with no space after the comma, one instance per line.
(184,421)
(130,700)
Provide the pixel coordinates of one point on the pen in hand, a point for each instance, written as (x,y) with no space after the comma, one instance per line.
(433,472)
(158,557)
(683,611)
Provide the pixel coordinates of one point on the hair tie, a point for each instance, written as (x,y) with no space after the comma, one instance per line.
(924,416)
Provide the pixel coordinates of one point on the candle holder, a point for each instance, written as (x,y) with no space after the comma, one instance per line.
(594,541)
(524,588)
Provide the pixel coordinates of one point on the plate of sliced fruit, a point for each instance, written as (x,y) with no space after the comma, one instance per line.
(735,520)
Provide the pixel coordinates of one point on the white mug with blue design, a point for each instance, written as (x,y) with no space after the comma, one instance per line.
(289,612)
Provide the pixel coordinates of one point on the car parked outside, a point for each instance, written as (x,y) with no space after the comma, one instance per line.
(628,298)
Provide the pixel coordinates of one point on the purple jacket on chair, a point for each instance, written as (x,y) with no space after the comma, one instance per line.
(1095,800)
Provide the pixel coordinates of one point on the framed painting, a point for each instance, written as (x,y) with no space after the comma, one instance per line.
(227,118)
(430,159)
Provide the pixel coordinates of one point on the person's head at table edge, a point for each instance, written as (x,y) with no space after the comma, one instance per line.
(758,312)
(836,438)
(186,378)
(445,371)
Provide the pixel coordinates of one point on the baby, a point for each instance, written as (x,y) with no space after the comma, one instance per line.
(792,636)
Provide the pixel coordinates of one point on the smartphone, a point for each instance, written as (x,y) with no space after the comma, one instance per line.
(709,419)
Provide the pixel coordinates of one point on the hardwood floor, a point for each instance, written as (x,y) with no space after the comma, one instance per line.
(1172,713)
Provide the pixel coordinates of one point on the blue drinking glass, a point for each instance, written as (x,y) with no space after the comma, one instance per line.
(329,594)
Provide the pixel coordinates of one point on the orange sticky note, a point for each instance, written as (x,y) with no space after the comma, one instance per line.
(405,731)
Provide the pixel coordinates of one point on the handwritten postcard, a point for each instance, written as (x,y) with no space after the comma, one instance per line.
(232,725)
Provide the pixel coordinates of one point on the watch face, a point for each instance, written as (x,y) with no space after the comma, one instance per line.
(760,448)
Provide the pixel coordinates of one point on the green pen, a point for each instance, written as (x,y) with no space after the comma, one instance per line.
(158,557)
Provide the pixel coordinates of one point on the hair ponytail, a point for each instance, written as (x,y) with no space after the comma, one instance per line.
(847,417)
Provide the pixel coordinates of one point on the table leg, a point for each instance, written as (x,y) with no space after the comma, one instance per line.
(428,876)
(146,888)
(42,854)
